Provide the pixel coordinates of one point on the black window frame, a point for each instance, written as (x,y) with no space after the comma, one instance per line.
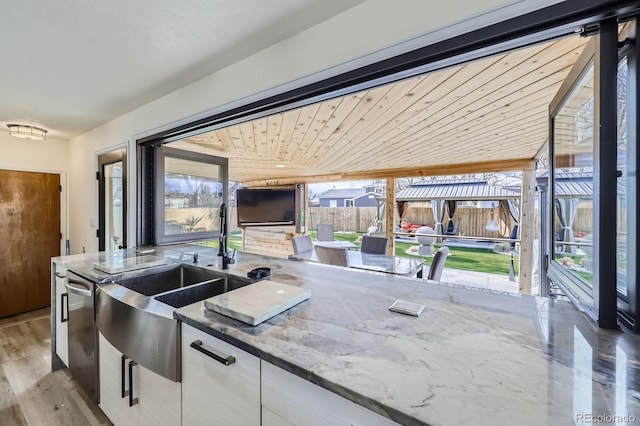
(155,161)
(629,306)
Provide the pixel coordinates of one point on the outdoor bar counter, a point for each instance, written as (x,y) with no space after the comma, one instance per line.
(472,357)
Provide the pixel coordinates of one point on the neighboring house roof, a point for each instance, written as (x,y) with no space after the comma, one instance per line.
(343,193)
(455,189)
(571,184)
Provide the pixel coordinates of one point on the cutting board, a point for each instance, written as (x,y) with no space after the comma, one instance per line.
(256,303)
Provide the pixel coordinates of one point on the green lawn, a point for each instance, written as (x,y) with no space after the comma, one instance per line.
(468,259)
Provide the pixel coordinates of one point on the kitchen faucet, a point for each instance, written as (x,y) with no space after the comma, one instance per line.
(222,245)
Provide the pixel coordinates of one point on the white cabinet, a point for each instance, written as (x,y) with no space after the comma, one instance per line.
(220,383)
(300,402)
(269,418)
(62,313)
(113,380)
(155,399)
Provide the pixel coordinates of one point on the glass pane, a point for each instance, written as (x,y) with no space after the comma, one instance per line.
(113,213)
(621,219)
(573,183)
(193,195)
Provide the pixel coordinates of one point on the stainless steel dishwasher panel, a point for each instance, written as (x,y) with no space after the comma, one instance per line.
(82,335)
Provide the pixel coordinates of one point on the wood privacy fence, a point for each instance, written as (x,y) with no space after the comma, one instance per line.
(358,219)
(473,221)
(203,217)
(343,219)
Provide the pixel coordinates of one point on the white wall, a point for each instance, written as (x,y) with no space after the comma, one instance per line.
(48,156)
(353,38)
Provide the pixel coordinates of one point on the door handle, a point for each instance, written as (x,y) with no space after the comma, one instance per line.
(228,360)
(124,392)
(132,401)
(63,297)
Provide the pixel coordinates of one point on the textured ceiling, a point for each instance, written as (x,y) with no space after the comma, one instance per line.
(489,111)
(70,66)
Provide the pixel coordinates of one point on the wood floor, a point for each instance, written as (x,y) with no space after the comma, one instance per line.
(30,393)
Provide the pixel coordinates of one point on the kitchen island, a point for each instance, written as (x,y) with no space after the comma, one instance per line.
(472,357)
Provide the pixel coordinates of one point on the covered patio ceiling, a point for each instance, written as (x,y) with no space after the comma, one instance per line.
(488,115)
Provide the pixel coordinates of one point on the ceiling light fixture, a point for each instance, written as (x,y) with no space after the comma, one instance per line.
(27,132)
(280,165)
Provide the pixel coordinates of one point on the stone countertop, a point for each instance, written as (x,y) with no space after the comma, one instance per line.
(83,264)
(472,357)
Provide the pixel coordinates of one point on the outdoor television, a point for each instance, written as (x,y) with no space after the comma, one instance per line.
(266,206)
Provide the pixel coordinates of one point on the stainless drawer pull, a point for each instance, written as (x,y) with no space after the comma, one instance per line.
(132,401)
(77,287)
(124,392)
(64,307)
(197,345)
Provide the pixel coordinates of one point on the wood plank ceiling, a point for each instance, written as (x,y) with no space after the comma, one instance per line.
(485,113)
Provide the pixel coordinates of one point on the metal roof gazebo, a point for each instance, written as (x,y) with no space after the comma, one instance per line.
(446,192)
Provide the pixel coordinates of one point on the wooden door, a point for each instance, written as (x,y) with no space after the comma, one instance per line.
(29,238)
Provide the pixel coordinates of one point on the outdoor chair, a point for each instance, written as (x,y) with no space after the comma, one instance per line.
(301,244)
(514,236)
(325,232)
(453,229)
(374,245)
(332,256)
(435,271)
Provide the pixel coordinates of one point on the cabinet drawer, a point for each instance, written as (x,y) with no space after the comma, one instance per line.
(213,392)
(301,402)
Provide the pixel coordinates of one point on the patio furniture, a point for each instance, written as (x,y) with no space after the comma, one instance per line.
(453,229)
(336,244)
(514,236)
(301,244)
(332,256)
(325,232)
(374,245)
(512,246)
(395,265)
(378,234)
(435,271)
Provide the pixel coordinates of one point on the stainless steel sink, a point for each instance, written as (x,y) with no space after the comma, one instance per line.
(161,281)
(136,314)
(196,292)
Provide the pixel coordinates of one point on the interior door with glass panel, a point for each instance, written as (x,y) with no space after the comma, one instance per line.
(112,176)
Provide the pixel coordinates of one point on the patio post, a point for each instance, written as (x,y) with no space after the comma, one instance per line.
(390,219)
(527,228)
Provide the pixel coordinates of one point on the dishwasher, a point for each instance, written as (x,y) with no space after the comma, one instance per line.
(83,335)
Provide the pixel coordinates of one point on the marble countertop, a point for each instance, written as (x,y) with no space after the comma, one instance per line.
(472,357)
